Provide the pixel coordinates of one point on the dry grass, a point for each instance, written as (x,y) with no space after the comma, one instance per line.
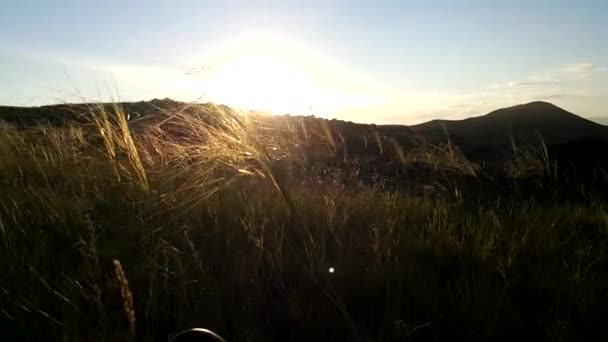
(531,161)
(218,223)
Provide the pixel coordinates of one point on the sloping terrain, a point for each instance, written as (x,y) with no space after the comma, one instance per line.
(518,126)
(492,140)
(61,114)
(282,229)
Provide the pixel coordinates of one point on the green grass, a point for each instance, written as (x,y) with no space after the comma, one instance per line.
(217,223)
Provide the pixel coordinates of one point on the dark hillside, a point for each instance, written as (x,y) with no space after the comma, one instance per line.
(519,125)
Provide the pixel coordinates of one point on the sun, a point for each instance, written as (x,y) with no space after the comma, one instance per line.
(266,73)
(264,80)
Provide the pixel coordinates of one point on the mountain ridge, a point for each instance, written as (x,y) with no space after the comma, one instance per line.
(505,128)
(499,130)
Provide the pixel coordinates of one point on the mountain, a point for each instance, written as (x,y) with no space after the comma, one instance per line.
(519,125)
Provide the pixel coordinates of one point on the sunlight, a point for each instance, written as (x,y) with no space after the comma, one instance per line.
(264,80)
(264,72)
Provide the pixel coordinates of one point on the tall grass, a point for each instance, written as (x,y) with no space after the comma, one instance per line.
(215,219)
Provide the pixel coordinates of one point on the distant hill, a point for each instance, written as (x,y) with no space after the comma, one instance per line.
(405,155)
(63,113)
(520,125)
(486,137)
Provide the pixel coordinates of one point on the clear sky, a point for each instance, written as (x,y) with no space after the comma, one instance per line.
(366,61)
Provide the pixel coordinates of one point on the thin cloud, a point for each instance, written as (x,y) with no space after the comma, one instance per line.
(559,96)
(531,83)
(583,69)
(556,79)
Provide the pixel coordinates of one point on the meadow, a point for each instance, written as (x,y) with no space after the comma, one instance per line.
(268,230)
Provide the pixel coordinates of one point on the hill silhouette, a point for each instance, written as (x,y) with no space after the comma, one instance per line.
(61,114)
(489,137)
(503,129)
(523,141)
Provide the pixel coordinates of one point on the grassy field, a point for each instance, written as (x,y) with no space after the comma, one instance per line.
(112,233)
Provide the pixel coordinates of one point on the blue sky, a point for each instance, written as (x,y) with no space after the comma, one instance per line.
(366,61)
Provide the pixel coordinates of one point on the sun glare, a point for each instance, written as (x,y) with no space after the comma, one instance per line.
(265,80)
(266,73)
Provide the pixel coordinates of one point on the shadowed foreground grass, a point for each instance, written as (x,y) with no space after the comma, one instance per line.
(201,223)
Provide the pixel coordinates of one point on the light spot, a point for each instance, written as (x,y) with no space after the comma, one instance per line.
(332,270)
